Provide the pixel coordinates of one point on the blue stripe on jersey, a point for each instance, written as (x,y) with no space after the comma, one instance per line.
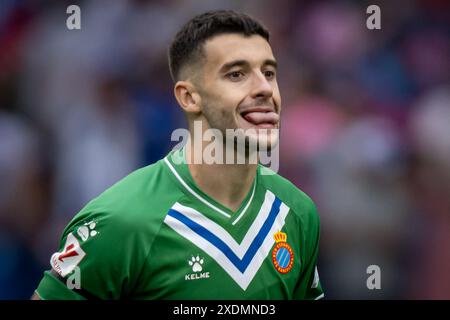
(241,265)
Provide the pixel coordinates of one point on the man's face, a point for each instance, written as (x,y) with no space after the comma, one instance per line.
(239,89)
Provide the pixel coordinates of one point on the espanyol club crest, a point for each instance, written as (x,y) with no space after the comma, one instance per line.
(282,254)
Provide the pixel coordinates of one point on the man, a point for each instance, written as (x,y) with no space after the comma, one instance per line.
(187,229)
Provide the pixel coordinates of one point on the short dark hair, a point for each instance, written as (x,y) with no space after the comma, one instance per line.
(188,42)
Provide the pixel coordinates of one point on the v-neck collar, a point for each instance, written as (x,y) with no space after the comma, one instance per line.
(176,162)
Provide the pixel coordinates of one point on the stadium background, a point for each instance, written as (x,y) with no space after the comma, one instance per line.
(365,127)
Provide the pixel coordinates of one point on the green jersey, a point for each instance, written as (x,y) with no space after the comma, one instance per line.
(156,235)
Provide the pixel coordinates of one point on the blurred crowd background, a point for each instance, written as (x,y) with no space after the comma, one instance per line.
(365,127)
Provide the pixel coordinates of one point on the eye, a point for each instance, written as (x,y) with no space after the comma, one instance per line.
(269,74)
(235,75)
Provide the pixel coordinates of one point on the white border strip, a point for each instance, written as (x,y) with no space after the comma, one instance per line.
(320,297)
(242,279)
(193,192)
(248,203)
(219,231)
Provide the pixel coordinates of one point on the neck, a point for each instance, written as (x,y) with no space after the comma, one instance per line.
(226,183)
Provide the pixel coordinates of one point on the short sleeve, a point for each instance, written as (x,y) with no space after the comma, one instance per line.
(97,256)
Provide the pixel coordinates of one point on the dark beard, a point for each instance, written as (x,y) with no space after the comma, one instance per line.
(220,120)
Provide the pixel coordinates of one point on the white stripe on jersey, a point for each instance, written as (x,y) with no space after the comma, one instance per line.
(242,278)
(199,197)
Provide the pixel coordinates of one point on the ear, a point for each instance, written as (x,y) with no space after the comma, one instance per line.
(187,97)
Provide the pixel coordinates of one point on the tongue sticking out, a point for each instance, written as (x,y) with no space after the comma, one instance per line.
(261,117)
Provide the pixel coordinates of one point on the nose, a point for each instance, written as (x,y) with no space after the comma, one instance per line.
(261,87)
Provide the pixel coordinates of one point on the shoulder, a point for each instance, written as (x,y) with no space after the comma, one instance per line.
(111,237)
(298,201)
(134,205)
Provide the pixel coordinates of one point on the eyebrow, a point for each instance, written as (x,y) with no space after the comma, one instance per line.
(244,63)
